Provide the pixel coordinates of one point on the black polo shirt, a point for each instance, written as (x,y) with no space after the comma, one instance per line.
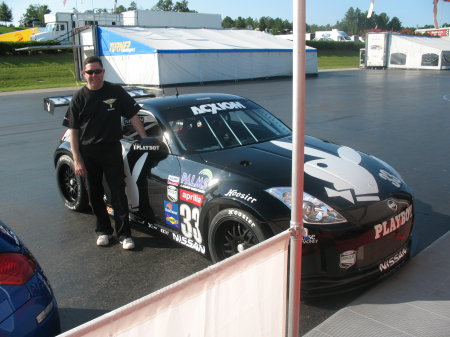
(97,113)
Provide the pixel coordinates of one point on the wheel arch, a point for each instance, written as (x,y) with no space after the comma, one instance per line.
(215,206)
(61,151)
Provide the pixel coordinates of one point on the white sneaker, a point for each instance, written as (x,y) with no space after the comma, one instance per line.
(127,243)
(103,240)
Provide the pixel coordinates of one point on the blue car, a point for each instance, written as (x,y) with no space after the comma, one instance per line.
(27,303)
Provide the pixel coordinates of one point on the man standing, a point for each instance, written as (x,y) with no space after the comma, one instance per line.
(94,117)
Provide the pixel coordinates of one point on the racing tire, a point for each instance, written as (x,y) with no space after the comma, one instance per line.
(71,186)
(231,231)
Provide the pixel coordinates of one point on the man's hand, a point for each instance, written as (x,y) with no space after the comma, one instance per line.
(78,163)
(80,168)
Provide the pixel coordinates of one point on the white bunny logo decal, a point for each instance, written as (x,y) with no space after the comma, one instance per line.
(350,180)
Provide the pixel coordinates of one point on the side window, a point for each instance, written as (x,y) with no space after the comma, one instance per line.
(150,123)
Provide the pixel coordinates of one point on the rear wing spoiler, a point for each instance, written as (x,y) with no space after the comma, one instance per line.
(50,103)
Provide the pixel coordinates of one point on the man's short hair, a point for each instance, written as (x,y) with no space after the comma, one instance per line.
(92,59)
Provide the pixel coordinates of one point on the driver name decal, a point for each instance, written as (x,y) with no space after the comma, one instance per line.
(215,107)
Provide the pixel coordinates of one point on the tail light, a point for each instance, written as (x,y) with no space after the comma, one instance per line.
(16,269)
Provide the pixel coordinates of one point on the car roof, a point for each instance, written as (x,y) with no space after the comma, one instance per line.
(171,102)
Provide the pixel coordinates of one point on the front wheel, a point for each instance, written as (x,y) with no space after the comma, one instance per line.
(71,186)
(232,231)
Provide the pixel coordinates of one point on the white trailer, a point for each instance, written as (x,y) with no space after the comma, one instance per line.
(147,18)
(59,25)
(332,35)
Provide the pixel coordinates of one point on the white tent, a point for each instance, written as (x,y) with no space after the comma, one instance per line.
(419,52)
(168,56)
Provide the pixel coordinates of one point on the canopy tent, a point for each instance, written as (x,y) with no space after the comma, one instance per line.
(419,52)
(169,56)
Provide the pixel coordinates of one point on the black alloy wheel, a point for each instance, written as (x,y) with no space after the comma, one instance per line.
(71,186)
(232,231)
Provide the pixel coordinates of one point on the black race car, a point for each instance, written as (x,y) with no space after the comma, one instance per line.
(214,175)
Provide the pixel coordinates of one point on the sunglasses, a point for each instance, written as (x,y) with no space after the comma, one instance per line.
(96,71)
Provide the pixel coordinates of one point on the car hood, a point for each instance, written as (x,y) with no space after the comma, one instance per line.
(337,175)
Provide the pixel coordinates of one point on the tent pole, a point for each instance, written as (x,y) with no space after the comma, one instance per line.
(296,229)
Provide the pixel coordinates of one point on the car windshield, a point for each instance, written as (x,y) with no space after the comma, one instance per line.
(225,125)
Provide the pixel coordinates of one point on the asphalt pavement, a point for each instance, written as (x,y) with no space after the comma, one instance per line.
(415,302)
(400,116)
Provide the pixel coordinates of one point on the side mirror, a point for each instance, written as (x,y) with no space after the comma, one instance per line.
(155,146)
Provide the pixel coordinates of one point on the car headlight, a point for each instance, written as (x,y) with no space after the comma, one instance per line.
(314,211)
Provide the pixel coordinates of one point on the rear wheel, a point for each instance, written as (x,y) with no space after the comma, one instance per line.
(70,185)
(232,231)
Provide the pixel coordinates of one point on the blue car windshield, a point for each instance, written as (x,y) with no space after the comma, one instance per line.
(221,129)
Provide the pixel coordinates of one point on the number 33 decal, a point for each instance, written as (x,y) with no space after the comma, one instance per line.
(190,222)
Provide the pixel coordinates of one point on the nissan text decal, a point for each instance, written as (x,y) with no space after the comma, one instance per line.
(215,107)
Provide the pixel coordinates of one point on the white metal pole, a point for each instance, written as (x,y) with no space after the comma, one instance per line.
(298,112)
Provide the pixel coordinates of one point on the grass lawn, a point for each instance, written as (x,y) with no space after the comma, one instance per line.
(36,72)
(57,70)
(335,59)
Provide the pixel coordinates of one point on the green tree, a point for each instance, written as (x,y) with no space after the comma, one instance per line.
(163,5)
(394,24)
(120,9)
(227,22)
(34,13)
(5,13)
(264,23)
(132,6)
(382,21)
(182,6)
(240,23)
(168,6)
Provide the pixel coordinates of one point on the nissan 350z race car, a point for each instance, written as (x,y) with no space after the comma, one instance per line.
(214,175)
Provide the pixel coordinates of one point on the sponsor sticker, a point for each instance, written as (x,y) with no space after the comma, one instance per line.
(310,239)
(139,147)
(243,196)
(391,225)
(393,260)
(189,243)
(172,193)
(171,214)
(191,197)
(152,226)
(391,178)
(213,108)
(173,180)
(121,47)
(163,231)
(238,213)
(349,179)
(197,182)
(347,259)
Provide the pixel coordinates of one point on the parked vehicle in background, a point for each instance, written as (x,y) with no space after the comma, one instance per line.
(332,35)
(28,305)
(59,25)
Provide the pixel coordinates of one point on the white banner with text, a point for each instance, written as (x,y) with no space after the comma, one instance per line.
(244,295)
